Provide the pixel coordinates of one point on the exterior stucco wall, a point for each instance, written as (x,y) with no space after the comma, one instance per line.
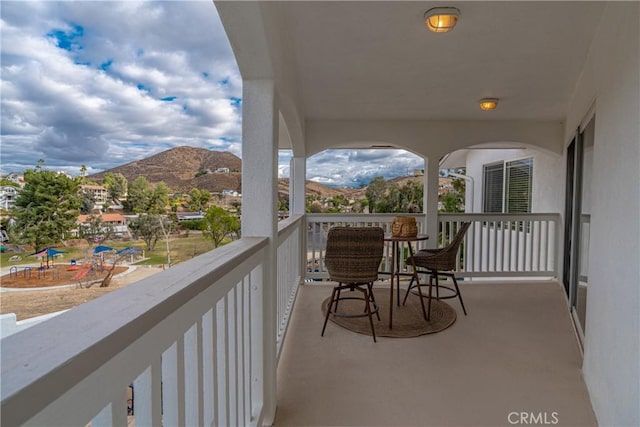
(548,171)
(611,79)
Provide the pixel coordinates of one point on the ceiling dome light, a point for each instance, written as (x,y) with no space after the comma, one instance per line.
(441,19)
(487,104)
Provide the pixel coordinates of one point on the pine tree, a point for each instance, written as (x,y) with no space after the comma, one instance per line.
(47,207)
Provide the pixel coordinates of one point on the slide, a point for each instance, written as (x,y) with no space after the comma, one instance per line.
(81,273)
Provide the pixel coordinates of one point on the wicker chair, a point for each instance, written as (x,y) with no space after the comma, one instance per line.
(352,259)
(440,262)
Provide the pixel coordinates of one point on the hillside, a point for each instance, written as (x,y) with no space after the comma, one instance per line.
(312,187)
(178,167)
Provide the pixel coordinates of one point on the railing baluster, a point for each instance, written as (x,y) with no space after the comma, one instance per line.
(223,363)
(200,371)
(506,247)
(482,246)
(191,376)
(180,371)
(232,357)
(208,377)
(494,233)
(146,396)
(545,247)
(103,418)
(173,383)
(541,243)
(248,339)
(529,254)
(469,261)
(525,245)
(459,254)
(517,245)
(246,361)
(240,351)
(510,240)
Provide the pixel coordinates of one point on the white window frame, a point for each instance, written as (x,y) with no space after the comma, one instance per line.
(504,192)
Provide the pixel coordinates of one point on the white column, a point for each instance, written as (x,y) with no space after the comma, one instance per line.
(430,201)
(260,209)
(297,179)
(297,203)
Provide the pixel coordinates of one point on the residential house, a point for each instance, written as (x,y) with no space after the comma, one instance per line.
(8,196)
(15,177)
(116,221)
(99,193)
(230,193)
(203,341)
(189,216)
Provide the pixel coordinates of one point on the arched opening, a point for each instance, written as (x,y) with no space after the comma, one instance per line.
(338,180)
(507,178)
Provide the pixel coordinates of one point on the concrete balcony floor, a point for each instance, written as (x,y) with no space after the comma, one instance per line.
(516,351)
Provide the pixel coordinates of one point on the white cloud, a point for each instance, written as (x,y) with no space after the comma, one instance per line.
(82,81)
(350,168)
(106,83)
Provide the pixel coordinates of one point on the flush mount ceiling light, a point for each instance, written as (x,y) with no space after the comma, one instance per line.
(441,19)
(487,104)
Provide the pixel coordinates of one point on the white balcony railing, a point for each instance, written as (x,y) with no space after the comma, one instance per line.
(189,343)
(509,245)
(513,245)
(290,244)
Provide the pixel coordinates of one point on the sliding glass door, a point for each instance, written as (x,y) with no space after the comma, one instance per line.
(577,222)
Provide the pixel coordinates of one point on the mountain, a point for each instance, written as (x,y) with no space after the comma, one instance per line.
(178,168)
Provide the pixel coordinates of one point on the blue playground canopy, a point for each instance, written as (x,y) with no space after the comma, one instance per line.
(48,252)
(129,250)
(102,248)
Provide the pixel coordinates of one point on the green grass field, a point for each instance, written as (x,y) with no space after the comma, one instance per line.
(182,249)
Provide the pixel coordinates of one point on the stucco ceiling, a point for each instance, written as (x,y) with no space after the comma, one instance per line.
(374,60)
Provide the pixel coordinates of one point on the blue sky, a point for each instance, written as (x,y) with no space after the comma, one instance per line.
(106,83)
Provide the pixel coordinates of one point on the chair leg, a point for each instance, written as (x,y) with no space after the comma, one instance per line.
(373,330)
(455,282)
(373,299)
(409,289)
(424,312)
(338,297)
(326,317)
(435,273)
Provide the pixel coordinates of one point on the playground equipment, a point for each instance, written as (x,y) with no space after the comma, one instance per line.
(49,253)
(52,270)
(82,274)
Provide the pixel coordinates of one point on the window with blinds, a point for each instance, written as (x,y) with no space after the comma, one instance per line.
(493,187)
(518,176)
(507,186)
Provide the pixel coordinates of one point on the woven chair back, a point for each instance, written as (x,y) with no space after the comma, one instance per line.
(445,260)
(354,254)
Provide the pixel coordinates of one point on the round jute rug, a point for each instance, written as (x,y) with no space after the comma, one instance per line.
(408,320)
